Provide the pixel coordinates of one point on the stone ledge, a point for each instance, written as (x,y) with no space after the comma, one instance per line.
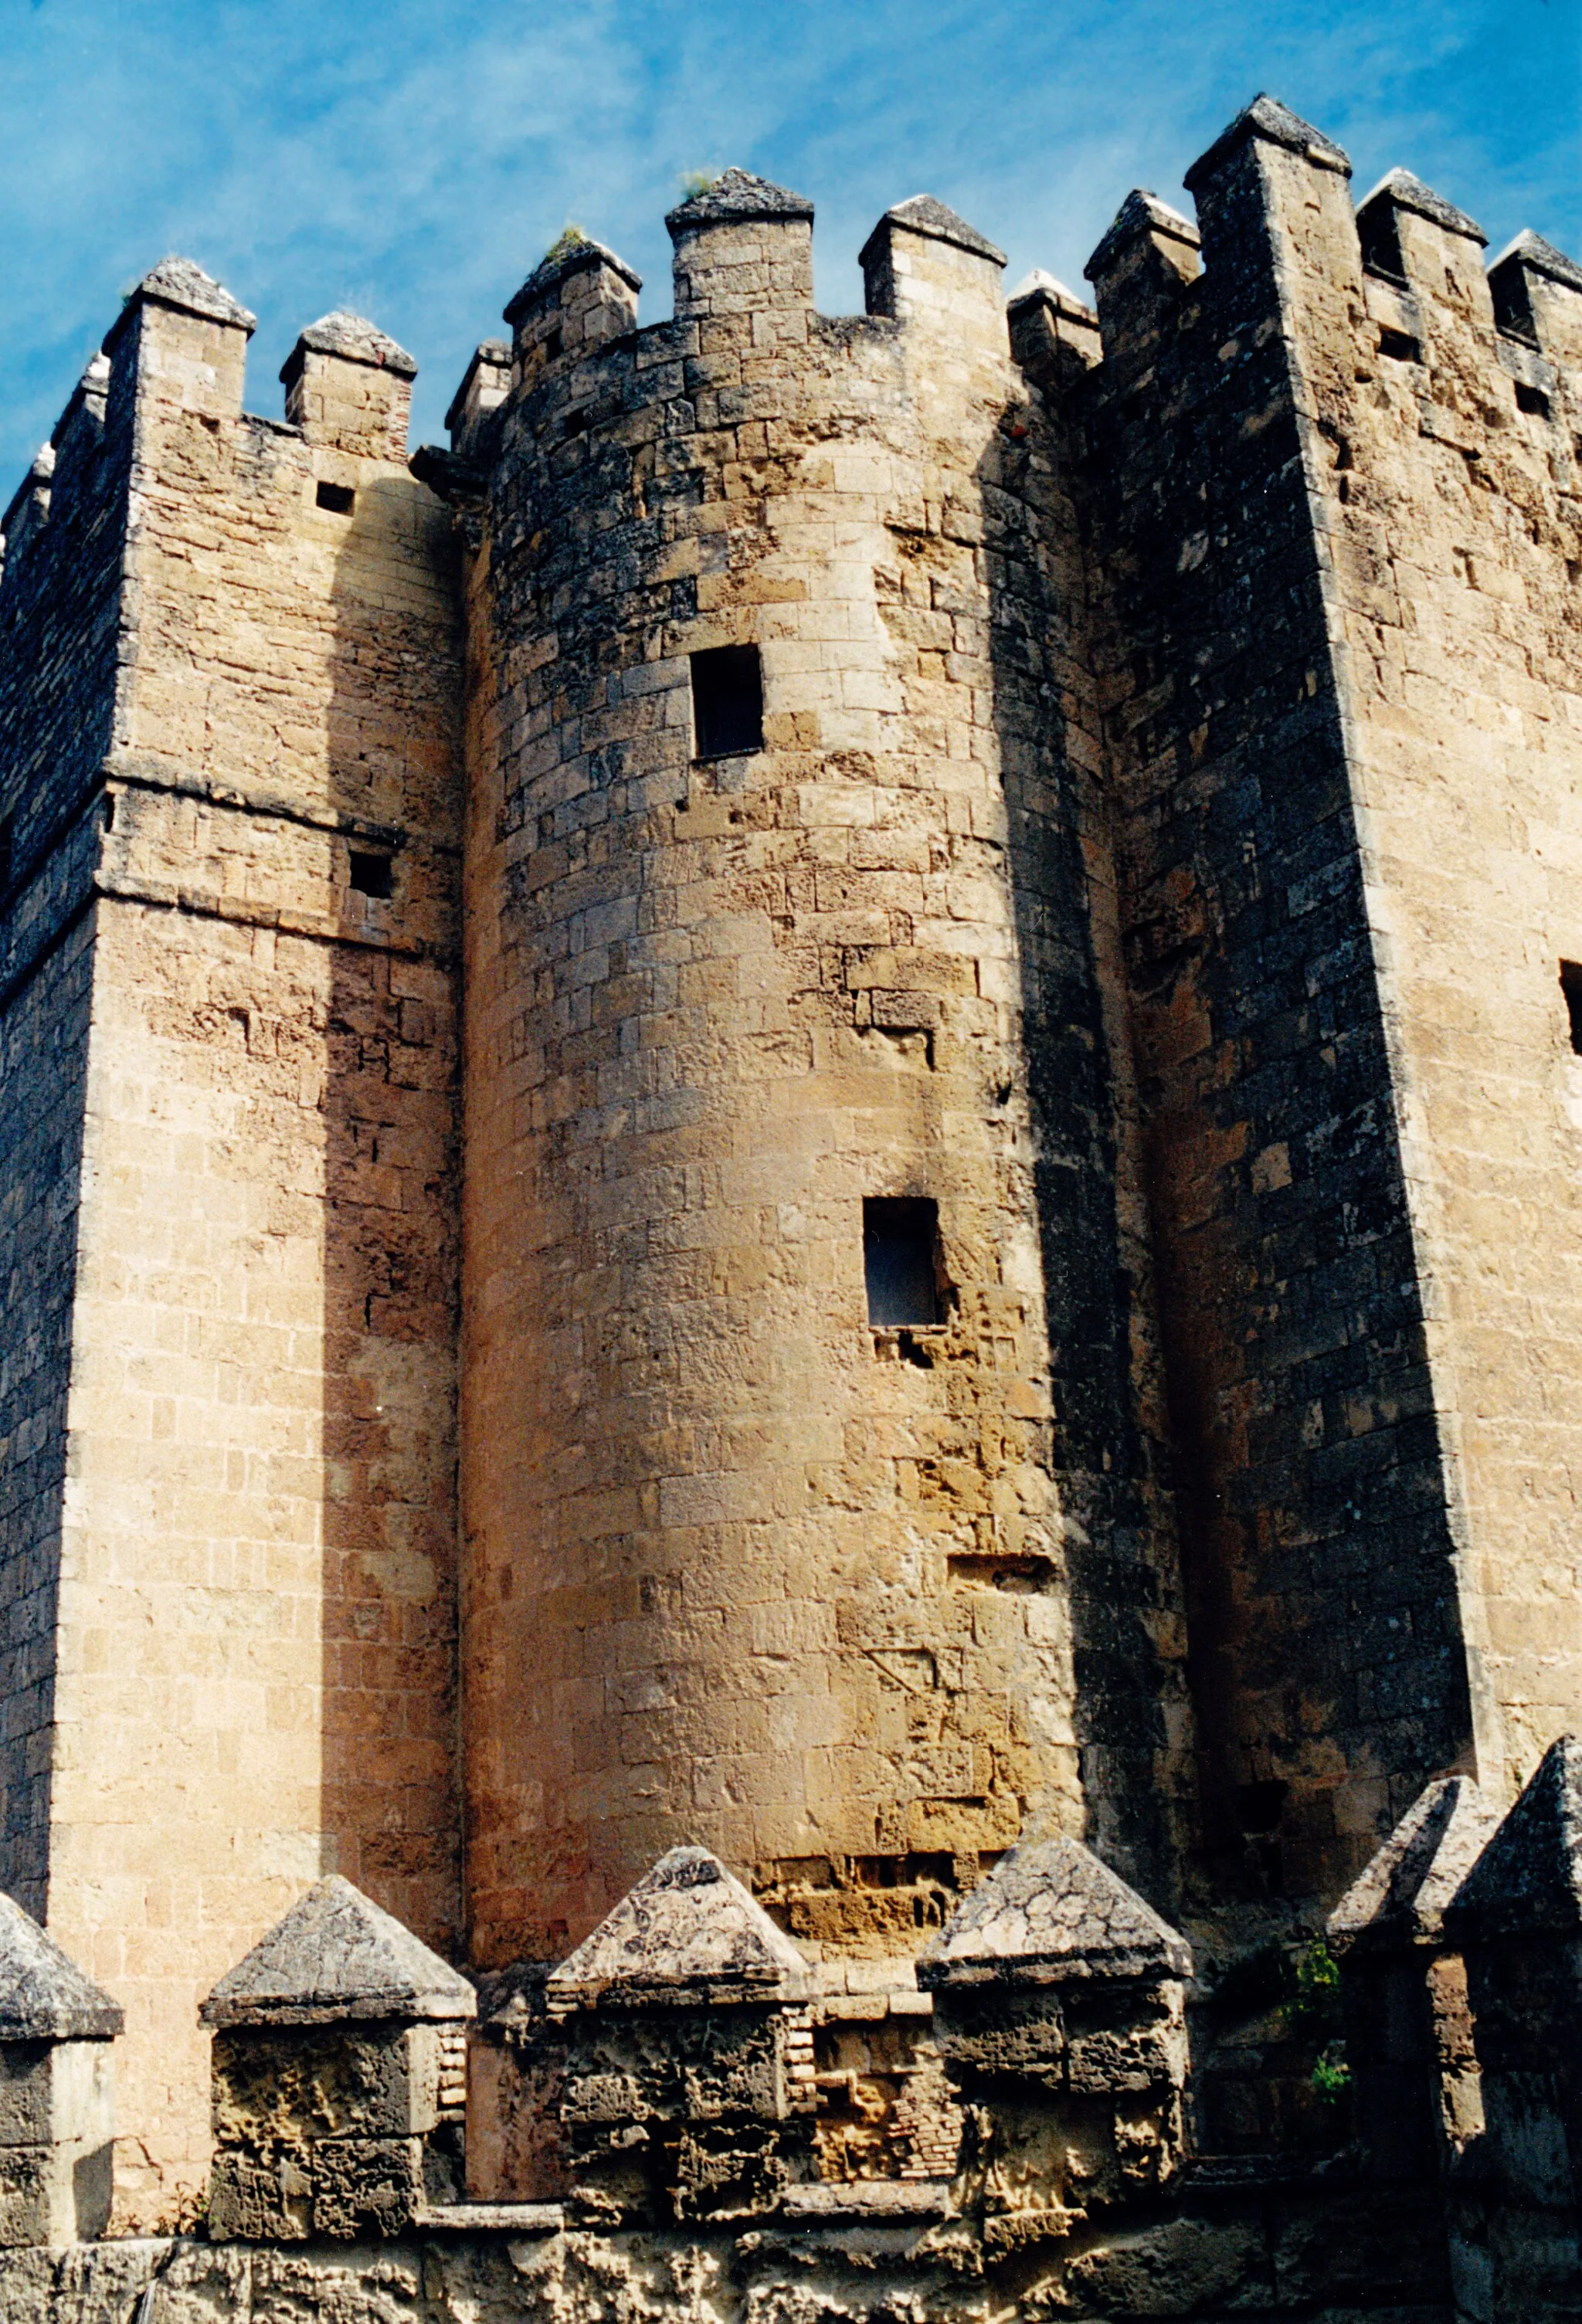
(869,2199)
(506,2219)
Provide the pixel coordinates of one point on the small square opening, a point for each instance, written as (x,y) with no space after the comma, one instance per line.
(728,701)
(372,875)
(1398,346)
(1532,400)
(338,499)
(901,1239)
(1571,986)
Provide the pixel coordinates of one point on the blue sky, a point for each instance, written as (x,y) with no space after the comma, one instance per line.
(412,159)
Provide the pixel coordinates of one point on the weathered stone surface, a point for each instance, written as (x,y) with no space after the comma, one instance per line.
(686,1933)
(180,282)
(342,2078)
(1161,857)
(355,338)
(44,1995)
(337,1956)
(1049,1912)
(923,214)
(1402,1896)
(1405,192)
(737,194)
(1527,1882)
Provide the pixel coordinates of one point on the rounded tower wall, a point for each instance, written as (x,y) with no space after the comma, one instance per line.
(743,1568)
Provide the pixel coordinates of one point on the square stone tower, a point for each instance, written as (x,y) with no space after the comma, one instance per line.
(227,1183)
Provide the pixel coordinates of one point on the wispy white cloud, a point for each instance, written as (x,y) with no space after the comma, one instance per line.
(413,158)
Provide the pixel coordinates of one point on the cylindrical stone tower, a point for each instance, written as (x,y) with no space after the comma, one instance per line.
(801,1309)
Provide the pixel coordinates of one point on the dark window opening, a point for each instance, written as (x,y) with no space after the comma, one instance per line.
(551,346)
(1379,228)
(8,848)
(1512,306)
(1398,348)
(372,875)
(728,701)
(339,499)
(1532,400)
(1571,986)
(901,1239)
(576,422)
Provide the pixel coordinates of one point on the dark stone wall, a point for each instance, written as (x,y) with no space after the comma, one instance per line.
(60,599)
(1329,1666)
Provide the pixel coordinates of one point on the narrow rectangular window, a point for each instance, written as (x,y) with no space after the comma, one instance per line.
(900,1238)
(1398,346)
(728,701)
(339,499)
(1380,231)
(1571,986)
(372,875)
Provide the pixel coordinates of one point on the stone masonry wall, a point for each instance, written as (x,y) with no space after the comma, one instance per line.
(1331,1663)
(1446,455)
(57,635)
(849,1607)
(257,1616)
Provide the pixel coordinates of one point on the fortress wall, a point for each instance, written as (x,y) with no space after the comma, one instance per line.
(1331,1667)
(1452,523)
(257,1615)
(742,1570)
(58,623)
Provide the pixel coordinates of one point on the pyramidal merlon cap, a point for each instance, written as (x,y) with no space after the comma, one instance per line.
(1277,124)
(1400,1897)
(1409,193)
(737,194)
(1528,1880)
(1530,249)
(688,1931)
(356,340)
(923,214)
(181,282)
(44,1996)
(1048,1912)
(335,1955)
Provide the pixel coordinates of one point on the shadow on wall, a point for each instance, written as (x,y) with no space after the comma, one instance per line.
(43,1071)
(388,1099)
(1119,1538)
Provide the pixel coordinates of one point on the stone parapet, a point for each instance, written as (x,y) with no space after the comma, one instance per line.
(1060,2013)
(57,2090)
(338,2070)
(685,2052)
(1415,2100)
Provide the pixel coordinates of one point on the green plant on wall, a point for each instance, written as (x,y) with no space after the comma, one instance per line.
(569,237)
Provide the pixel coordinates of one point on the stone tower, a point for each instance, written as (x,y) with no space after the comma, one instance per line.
(231,827)
(851,1592)
(991,1254)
